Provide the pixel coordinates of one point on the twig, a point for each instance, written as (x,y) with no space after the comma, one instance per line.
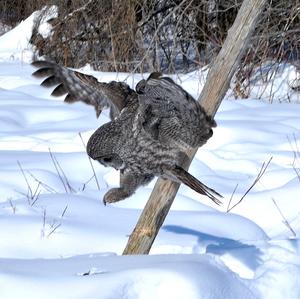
(44,224)
(297,171)
(296,153)
(12,206)
(64,175)
(28,186)
(32,197)
(36,190)
(260,174)
(64,211)
(112,47)
(96,179)
(36,195)
(53,230)
(71,14)
(55,226)
(57,170)
(285,221)
(87,182)
(45,186)
(61,173)
(160,10)
(35,200)
(152,41)
(231,197)
(296,149)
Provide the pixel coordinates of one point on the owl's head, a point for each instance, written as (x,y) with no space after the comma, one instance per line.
(104,146)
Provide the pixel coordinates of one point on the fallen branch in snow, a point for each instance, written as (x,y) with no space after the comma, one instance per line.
(285,221)
(259,176)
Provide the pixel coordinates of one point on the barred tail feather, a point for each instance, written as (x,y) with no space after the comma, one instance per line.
(189,180)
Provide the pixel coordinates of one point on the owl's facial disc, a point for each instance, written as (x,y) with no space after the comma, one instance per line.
(111,160)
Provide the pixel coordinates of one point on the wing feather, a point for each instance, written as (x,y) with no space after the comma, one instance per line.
(59,91)
(81,87)
(172,114)
(42,72)
(51,81)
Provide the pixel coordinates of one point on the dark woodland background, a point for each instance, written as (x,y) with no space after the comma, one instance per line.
(167,35)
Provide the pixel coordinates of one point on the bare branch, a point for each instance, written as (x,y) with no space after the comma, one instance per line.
(231,197)
(45,186)
(259,176)
(64,211)
(27,183)
(57,171)
(91,163)
(54,229)
(62,176)
(285,221)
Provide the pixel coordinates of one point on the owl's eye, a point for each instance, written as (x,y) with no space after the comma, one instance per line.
(107,159)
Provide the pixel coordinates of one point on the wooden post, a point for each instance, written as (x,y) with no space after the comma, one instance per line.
(215,88)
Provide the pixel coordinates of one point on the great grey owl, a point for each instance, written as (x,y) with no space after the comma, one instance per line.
(149,131)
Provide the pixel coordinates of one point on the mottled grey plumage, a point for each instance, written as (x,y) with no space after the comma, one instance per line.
(178,117)
(82,87)
(150,128)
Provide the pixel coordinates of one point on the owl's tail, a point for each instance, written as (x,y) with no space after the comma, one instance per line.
(186,178)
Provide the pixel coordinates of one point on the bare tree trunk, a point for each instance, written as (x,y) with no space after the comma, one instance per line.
(217,84)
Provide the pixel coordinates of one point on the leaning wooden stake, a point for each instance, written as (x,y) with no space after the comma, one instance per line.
(217,83)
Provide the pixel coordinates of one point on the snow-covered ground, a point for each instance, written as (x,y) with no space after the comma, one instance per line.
(55,229)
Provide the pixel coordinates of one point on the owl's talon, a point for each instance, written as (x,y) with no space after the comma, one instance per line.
(110,197)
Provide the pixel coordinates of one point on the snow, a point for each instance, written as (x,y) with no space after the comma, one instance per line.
(58,240)
(15,43)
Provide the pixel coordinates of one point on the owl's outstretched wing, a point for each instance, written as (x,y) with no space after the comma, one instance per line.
(81,87)
(171,114)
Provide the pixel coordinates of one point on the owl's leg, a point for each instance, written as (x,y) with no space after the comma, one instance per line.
(129,182)
(182,159)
